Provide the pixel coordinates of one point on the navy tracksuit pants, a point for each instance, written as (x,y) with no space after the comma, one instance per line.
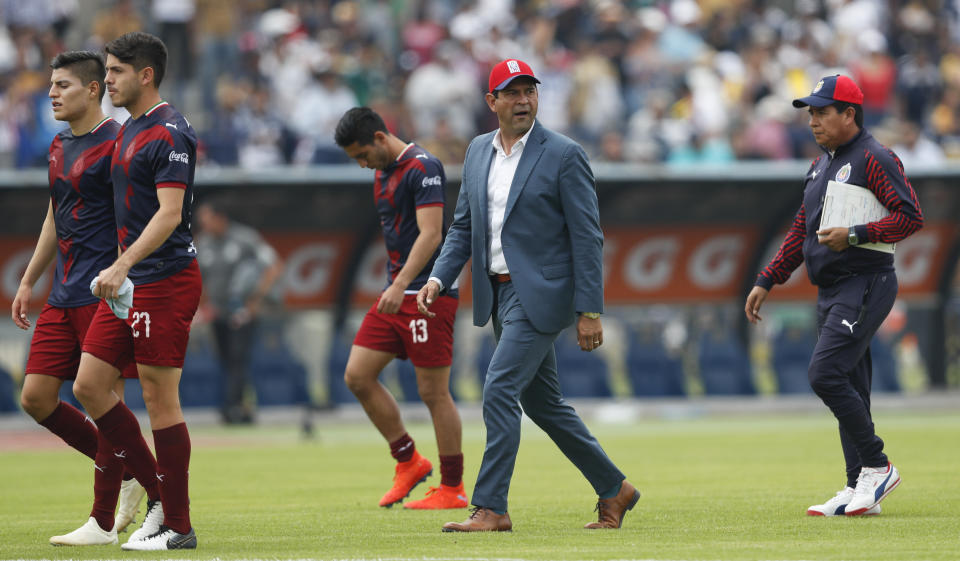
(848,315)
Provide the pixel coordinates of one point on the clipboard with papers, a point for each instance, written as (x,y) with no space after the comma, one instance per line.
(848,205)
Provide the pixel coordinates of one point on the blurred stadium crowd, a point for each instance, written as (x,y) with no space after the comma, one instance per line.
(675,81)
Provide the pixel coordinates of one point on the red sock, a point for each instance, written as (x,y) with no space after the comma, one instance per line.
(173,457)
(74,428)
(121,429)
(451,470)
(107,477)
(402,449)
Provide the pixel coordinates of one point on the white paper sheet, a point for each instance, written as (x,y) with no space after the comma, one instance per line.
(848,205)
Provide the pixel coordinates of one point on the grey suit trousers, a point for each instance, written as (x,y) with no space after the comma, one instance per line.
(523,372)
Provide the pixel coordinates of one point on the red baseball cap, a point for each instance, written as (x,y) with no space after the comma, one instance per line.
(505,71)
(830,89)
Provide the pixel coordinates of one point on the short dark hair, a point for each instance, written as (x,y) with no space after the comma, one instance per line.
(841,106)
(140,50)
(359,125)
(86,65)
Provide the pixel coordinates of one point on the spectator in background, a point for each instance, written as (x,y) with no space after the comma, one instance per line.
(173,20)
(118,19)
(876,73)
(240,270)
(916,149)
(217,28)
(264,139)
(325,99)
(919,85)
(596,104)
(756,48)
(441,90)
(444,144)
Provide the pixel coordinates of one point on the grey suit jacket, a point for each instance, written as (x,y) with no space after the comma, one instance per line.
(551,234)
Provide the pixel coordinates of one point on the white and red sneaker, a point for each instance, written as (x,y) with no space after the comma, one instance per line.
(837,505)
(873,485)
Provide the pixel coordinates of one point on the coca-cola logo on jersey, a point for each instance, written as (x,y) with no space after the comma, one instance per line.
(179,157)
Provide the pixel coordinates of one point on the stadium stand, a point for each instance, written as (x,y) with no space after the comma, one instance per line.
(792,348)
(652,371)
(725,367)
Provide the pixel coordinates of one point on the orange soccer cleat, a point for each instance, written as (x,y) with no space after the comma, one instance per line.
(409,474)
(441,497)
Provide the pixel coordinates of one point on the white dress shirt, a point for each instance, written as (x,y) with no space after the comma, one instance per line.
(502,169)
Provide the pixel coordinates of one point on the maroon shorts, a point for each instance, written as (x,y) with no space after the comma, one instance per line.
(57,340)
(158,327)
(428,342)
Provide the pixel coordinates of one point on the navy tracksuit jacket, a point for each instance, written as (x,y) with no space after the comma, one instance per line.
(857,286)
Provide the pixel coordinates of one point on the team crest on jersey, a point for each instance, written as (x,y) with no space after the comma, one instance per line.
(513,67)
(131,150)
(819,85)
(76,170)
(844,174)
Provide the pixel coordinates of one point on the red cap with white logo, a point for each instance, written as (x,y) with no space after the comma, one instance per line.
(505,72)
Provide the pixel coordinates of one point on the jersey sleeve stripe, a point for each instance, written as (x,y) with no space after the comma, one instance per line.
(790,254)
(425,205)
(898,196)
(174,184)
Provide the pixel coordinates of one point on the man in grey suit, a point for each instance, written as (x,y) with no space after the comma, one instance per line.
(527,214)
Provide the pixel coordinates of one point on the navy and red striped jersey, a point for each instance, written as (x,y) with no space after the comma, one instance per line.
(154,151)
(416,180)
(865,162)
(82,198)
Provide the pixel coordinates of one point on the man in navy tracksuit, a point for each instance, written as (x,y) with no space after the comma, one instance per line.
(856,286)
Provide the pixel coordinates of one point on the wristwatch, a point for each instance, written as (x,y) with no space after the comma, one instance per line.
(852,238)
(590,315)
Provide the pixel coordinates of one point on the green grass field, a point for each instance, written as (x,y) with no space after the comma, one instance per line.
(713,488)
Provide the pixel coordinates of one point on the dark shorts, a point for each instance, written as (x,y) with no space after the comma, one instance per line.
(158,327)
(427,342)
(58,339)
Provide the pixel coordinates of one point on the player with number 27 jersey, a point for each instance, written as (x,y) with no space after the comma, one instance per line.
(156,151)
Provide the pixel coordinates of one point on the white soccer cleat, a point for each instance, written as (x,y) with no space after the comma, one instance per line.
(128,505)
(873,485)
(164,539)
(151,522)
(89,534)
(837,505)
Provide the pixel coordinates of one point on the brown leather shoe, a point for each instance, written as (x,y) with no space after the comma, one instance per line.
(611,510)
(481,520)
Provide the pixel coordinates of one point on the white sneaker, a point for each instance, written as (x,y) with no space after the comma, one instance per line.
(873,485)
(128,505)
(837,505)
(164,539)
(89,534)
(151,522)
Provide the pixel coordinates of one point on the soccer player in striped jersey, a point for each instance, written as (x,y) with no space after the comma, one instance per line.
(152,169)
(78,234)
(857,286)
(408,194)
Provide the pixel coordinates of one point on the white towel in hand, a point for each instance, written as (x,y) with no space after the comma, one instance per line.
(124,300)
